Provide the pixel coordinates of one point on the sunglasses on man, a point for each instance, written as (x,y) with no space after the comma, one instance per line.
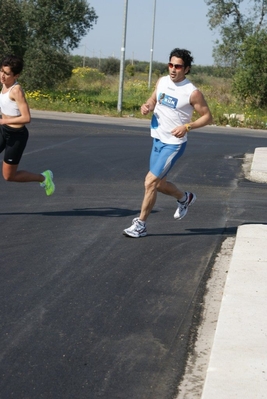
(176,66)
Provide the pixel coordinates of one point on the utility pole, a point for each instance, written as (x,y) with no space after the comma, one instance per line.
(152,46)
(120,96)
(84,53)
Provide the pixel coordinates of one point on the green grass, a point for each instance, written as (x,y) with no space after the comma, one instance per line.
(91,92)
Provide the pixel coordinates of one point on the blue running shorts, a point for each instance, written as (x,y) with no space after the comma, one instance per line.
(163,157)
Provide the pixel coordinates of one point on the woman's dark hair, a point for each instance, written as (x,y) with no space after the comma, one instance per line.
(14,62)
(185,55)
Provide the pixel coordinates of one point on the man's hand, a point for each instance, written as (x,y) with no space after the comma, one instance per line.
(145,109)
(179,131)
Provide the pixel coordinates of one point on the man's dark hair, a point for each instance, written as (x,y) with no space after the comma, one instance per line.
(14,62)
(185,55)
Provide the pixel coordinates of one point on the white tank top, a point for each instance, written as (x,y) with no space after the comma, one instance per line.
(173,109)
(8,107)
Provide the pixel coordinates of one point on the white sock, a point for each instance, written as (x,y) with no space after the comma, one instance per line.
(183,199)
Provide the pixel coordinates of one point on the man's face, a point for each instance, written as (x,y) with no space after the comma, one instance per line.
(177,70)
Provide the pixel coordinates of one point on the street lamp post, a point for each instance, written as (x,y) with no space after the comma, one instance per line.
(120,95)
(152,46)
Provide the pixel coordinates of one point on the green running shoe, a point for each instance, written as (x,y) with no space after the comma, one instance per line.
(48,183)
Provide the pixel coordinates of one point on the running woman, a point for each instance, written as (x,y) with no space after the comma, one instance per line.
(13,132)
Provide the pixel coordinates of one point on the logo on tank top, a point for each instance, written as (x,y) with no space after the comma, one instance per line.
(168,101)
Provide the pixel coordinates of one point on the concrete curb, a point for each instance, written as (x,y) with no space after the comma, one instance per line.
(258,171)
(230,360)
(238,361)
(89,118)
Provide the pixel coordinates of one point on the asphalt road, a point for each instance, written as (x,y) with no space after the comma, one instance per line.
(85,311)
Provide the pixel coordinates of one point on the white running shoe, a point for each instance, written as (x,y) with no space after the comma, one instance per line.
(182,208)
(137,229)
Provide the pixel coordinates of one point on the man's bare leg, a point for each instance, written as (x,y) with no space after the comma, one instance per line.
(154,184)
(168,188)
(151,182)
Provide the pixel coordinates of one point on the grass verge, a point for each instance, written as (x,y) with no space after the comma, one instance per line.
(91,92)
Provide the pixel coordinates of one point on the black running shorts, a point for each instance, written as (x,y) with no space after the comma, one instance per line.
(13,141)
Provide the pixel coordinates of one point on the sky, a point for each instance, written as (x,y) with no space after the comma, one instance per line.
(178,23)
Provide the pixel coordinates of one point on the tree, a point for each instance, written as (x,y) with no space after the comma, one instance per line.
(44,32)
(250,80)
(58,23)
(243,46)
(110,66)
(45,67)
(235,23)
(130,69)
(12,28)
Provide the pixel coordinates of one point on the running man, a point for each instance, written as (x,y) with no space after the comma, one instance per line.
(173,102)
